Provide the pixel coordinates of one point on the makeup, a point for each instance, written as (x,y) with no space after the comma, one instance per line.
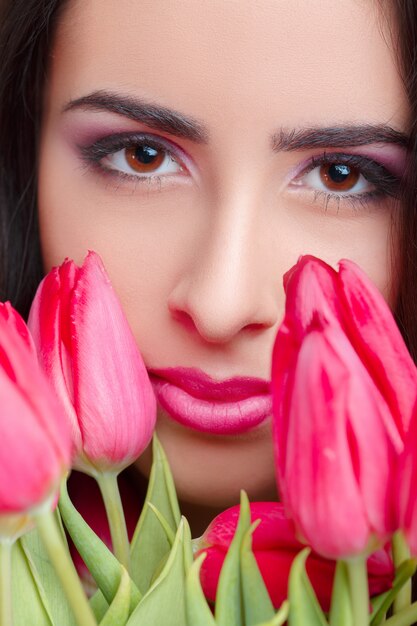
(227,407)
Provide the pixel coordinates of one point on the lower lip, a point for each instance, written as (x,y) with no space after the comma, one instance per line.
(220,418)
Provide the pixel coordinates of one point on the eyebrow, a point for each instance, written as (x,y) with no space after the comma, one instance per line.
(286,140)
(348,136)
(140,110)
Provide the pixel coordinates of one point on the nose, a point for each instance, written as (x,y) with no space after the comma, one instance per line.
(230,286)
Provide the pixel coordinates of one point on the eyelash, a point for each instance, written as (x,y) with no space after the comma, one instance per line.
(386,184)
(96,152)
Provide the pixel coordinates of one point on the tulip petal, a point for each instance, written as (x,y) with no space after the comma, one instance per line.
(406,487)
(29,466)
(378,341)
(276,530)
(13,319)
(283,368)
(24,371)
(310,286)
(45,325)
(112,382)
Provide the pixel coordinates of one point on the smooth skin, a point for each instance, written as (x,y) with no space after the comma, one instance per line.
(197,257)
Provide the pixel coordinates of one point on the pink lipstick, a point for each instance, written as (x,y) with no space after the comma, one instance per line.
(227,407)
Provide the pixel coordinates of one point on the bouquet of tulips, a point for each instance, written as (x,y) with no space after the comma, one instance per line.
(339,548)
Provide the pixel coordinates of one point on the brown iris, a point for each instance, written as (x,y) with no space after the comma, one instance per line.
(339,176)
(144,158)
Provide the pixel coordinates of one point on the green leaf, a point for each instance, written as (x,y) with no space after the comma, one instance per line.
(341,608)
(304,606)
(279,618)
(257,604)
(161,519)
(103,565)
(118,612)
(381,605)
(188,553)
(405,617)
(229,602)
(150,543)
(164,603)
(188,547)
(28,606)
(44,575)
(198,611)
(99,605)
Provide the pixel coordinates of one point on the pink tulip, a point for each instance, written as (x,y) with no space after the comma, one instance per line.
(275,546)
(90,355)
(340,410)
(34,434)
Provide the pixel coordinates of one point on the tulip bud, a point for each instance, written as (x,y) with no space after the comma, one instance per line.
(90,355)
(33,430)
(275,546)
(338,425)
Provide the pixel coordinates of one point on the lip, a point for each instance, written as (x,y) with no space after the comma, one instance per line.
(228,407)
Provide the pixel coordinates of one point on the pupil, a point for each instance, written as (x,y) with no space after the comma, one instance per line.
(145,154)
(339,172)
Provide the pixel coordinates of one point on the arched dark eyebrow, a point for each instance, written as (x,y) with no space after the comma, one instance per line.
(286,140)
(140,110)
(347,136)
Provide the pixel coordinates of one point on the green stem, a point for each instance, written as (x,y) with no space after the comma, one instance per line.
(400,553)
(406,617)
(359,590)
(64,567)
(107,482)
(6,601)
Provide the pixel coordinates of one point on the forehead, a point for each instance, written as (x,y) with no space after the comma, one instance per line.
(236,64)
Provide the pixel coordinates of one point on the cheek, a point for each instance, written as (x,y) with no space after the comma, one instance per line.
(367,238)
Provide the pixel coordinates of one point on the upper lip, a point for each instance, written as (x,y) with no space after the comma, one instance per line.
(200,385)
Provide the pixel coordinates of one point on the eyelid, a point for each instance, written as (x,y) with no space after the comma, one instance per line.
(110,144)
(358,160)
(371,169)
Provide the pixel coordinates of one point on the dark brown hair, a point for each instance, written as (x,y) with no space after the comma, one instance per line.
(406,308)
(26,31)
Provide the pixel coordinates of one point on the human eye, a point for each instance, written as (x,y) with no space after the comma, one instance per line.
(341,177)
(138,157)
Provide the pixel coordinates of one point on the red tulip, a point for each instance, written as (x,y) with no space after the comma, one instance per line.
(90,355)
(275,546)
(34,433)
(339,410)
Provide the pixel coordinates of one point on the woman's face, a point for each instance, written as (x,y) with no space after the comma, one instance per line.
(200,148)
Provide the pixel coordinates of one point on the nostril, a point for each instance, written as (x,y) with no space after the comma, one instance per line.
(184,319)
(255,326)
